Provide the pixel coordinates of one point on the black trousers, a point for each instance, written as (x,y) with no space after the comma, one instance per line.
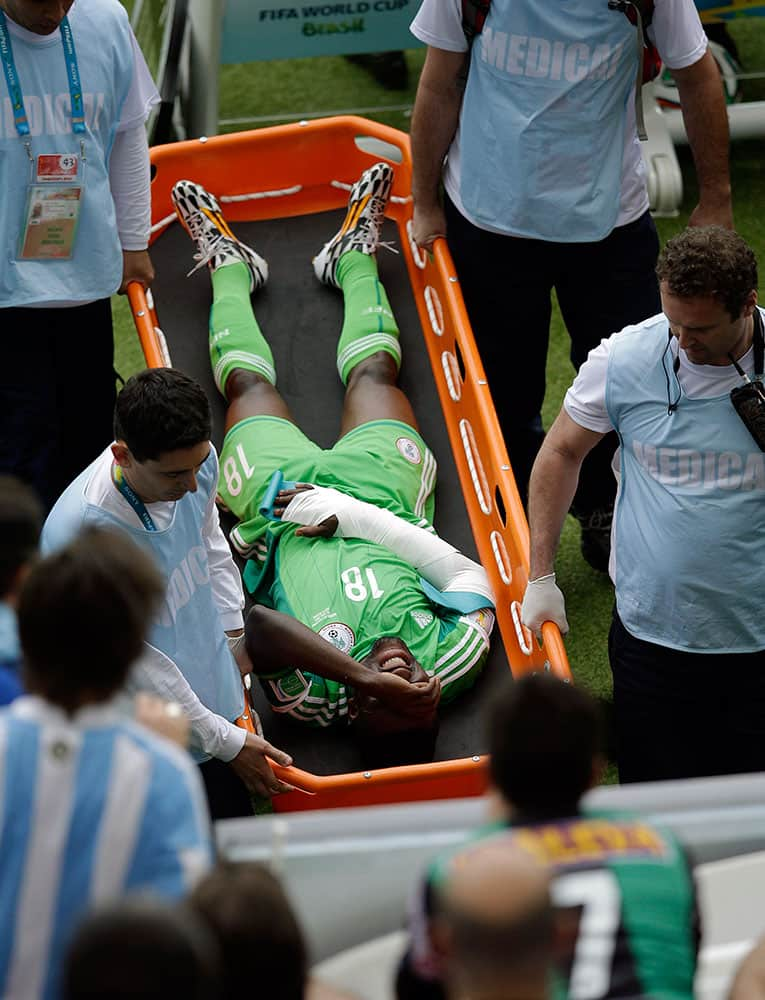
(685,715)
(57,392)
(227,794)
(507,284)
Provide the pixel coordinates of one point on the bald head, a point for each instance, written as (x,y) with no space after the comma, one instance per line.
(493,923)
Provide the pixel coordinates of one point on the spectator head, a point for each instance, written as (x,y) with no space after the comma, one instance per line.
(84,612)
(40,16)
(21,518)
(492,923)
(546,742)
(710,262)
(141,948)
(246,908)
(162,426)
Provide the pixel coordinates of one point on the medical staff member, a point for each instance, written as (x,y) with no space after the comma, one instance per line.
(687,641)
(74,226)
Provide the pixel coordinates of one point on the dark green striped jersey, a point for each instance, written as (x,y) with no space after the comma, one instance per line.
(624,908)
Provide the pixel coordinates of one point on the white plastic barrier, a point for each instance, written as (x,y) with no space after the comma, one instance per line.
(349,872)
(731,894)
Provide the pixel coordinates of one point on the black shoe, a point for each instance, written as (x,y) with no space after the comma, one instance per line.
(596,537)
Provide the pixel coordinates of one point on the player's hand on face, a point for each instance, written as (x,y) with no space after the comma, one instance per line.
(325,529)
(418,700)
(253,767)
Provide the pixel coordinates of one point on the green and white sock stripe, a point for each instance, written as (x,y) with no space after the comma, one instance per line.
(368,321)
(230,360)
(365,347)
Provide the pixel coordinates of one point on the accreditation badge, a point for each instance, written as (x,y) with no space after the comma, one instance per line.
(52,211)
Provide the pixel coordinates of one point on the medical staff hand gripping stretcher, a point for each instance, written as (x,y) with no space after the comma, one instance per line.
(341,540)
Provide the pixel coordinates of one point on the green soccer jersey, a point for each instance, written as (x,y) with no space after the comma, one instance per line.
(353,592)
(624,904)
(350,591)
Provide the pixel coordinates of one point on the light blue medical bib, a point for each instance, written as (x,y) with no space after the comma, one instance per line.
(542,123)
(187,628)
(101,34)
(690,519)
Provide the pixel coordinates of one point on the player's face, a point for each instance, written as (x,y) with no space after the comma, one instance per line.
(389,655)
(40,16)
(169,477)
(704,328)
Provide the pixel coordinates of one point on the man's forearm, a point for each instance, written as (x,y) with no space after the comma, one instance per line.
(706,125)
(276,641)
(551,490)
(157,673)
(129,180)
(434,122)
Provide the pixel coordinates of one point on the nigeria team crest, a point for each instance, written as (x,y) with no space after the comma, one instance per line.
(340,635)
(409,449)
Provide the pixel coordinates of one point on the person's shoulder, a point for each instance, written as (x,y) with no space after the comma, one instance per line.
(161,751)
(72,511)
(442,863)
(651,323)
(643,334)
(105,19)
(102,9)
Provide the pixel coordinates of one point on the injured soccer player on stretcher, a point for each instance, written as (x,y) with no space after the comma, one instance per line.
(384,621)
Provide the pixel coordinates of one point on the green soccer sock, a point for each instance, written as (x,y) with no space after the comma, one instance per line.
(368,322)
(235,337)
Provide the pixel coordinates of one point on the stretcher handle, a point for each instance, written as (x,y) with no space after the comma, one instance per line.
(145,320)
(555,651)
(292,775)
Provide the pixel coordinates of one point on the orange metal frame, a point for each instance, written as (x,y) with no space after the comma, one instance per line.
(298,169)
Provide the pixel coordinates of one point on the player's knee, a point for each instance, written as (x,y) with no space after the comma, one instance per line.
(241,381)
(380,367)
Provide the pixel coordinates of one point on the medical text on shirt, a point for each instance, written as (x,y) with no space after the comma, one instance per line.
(191,573)
(706,470)
(51,114)
(543,58)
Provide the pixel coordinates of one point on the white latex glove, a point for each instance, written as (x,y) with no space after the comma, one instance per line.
(543,602)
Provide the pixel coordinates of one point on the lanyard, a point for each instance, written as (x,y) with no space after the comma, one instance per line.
(118,478)
(14,86)
(759,344)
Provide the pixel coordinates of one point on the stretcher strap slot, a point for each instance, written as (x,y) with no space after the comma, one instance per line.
(418,256)
(480,485)
(521,632)
(452,375)
(435,310)
(501,557)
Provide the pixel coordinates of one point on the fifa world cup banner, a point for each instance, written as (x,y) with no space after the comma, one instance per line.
(255,30)
(727,10)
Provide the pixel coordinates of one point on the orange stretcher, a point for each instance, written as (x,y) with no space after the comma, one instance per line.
(299,169)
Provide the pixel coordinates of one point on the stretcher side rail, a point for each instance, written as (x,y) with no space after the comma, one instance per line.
(262,175)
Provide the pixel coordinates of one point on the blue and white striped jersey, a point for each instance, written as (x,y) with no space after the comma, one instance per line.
(92,807)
